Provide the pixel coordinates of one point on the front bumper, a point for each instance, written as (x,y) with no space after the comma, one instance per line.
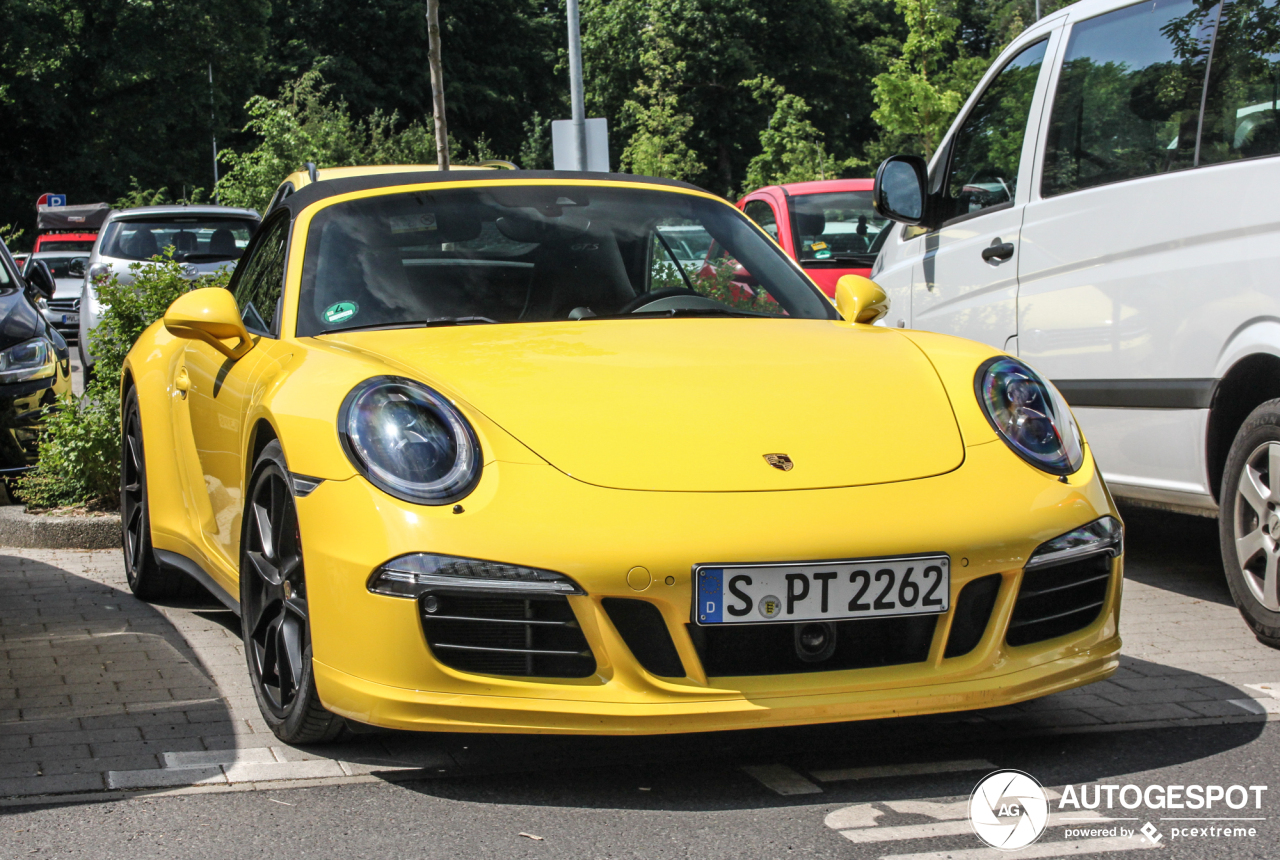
(373,663)
(22,406)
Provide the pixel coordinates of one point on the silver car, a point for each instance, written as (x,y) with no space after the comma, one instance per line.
(68,268)
(204,239)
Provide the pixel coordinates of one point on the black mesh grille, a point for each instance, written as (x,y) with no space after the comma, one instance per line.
(1055,601)
(641,626)
(530,636)
(769,649)
(971,614)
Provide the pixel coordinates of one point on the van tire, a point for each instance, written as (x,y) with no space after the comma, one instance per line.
(1256,446)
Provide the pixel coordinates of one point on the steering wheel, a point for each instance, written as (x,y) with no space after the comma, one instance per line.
(656,295)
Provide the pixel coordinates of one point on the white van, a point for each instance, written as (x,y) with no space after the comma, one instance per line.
(1107,207)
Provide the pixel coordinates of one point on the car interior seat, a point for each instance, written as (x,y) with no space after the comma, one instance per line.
(223,241)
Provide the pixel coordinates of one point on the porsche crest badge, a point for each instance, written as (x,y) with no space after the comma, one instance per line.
(779,461)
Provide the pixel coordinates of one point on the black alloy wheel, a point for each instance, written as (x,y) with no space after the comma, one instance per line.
(273,603)
(147,579)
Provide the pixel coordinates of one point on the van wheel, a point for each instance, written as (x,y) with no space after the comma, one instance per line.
(1249,521)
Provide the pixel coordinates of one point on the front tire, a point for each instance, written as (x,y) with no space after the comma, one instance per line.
(274,619)
(1249,521)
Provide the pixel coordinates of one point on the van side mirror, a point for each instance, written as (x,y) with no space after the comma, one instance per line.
(209,314)
(39,278)
(860,299)
(900,189)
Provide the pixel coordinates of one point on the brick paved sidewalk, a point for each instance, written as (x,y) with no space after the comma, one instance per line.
(101,691)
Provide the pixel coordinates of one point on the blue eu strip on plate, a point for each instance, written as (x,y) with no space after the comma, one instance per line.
(710,588)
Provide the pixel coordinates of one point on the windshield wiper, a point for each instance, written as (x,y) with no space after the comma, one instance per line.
(208,258)
(428,323)
(682,312)
(867,259)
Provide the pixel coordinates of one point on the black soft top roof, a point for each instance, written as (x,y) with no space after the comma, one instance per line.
(309,194)
(84,218)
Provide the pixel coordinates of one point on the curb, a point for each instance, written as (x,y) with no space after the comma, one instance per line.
(35,531)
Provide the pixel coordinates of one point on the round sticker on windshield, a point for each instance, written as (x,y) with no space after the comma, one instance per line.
(341,312)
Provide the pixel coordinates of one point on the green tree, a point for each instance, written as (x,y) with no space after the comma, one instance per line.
(792,146)
(658,146)
(304,124)
(913,98)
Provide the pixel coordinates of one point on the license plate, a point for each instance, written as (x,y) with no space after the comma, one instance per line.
(67,319)
(822,591)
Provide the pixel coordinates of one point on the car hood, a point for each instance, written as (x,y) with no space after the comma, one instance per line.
(695,404)
(19,320)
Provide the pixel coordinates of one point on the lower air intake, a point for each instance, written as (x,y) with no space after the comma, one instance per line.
(770,649)
(527,636)
(1055,601)
(640,624)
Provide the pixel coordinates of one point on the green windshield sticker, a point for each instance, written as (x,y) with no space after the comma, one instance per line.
(340,312)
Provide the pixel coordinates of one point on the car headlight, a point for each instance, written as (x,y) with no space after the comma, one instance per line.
(1104,535)
(31,359)
(416,574)
(1030,415)
(409,441)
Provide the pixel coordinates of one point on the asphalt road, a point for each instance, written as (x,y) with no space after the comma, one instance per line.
(1191,705)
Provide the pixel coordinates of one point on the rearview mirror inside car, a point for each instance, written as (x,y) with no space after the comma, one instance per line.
(39,278)
(899,193)
(860,299)
(209,314)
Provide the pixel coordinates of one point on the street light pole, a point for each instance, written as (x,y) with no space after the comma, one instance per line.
(437,83)
(575,89)
(213,131)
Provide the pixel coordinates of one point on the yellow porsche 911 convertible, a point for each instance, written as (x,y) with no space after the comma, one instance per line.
(483,451)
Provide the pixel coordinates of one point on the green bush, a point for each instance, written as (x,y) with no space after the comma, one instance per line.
(80,442)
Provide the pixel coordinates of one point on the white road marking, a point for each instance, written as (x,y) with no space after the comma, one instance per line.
(920,769)
(942,828)
(1039,849)
(781,779)
(1268,690)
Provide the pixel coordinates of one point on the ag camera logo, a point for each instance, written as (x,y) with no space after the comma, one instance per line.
(1009,810)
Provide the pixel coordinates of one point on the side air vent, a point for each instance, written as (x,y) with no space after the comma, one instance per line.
(1054,601)
(640,624)
(531,636)
(971,615)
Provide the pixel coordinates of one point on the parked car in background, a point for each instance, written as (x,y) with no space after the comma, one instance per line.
(1053,223)
(829,227)
(205,239)
(35,365)
(21,259)
(62,309)
(66,242)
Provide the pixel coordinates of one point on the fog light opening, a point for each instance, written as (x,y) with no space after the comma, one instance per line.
(815,641)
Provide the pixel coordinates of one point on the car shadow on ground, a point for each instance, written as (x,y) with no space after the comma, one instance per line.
(1175,552)
(91,680)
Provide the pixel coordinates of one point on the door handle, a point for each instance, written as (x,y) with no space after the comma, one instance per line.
(997,250)
(182,382)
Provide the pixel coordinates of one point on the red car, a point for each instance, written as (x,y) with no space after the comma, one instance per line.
(65,242)
(829,226)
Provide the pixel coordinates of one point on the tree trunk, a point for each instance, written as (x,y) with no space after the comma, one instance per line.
(437,83)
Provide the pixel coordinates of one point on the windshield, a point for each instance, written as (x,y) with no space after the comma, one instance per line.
(839,228)
(67,245)
(193,240)
(533,253)
(60,267)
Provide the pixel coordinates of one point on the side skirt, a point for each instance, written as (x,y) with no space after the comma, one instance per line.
(182,564)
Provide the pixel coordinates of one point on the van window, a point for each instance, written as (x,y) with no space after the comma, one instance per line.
(985,152)
(1128,99)
(1241,116)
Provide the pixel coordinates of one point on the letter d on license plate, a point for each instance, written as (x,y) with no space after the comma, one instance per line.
(822,591)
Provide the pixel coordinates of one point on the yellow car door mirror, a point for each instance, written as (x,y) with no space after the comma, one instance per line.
(860,299)
(209,314)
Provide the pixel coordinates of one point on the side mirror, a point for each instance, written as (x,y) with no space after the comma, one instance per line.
(900,189)
(76,269)
(209,314)
(39,278)
(860,300)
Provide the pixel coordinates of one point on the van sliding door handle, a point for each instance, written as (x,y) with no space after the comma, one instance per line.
(997,251)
